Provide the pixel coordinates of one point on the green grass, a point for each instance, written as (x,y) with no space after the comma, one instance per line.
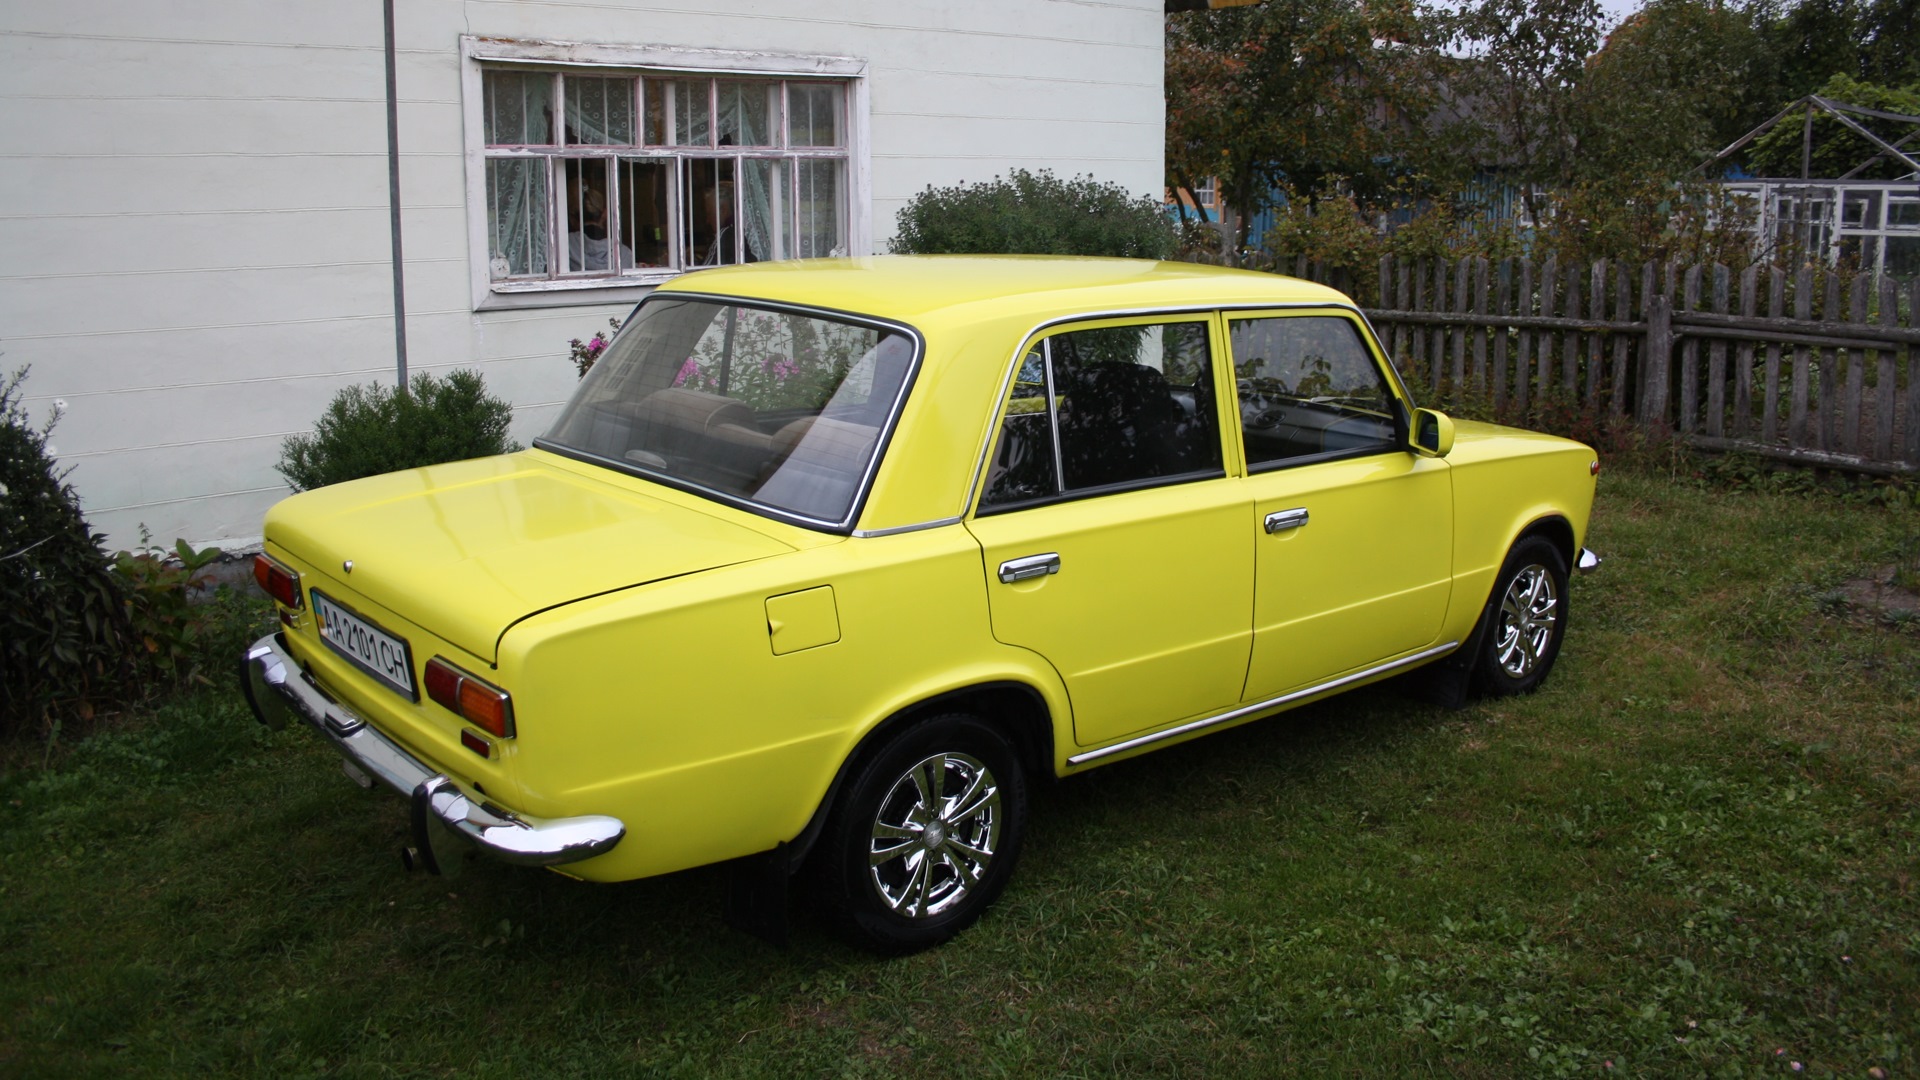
(1693,853)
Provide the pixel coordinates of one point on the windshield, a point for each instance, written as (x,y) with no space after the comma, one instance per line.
(782,410)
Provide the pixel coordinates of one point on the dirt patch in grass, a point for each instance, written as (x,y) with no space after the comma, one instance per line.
(1881,594)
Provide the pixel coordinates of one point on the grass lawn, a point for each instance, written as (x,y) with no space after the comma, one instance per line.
(1693,852)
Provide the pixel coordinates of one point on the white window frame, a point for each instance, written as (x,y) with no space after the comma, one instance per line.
(480,53)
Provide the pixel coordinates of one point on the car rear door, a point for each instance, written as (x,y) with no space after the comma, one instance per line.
(1114,543)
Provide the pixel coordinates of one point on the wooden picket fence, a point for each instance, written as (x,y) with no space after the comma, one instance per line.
(1804,364)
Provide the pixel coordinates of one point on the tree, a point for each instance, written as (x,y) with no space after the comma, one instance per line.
(1668,89)
(1300,93)
(1514,90)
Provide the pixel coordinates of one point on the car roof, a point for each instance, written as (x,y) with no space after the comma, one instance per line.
(921,288)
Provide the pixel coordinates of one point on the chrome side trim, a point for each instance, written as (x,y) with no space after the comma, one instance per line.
(1270,703)
(1589,562)
(278,689)
(868,534)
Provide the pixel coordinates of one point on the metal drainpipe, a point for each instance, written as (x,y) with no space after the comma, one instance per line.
(393,202)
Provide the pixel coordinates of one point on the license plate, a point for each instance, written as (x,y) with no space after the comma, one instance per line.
(373,650)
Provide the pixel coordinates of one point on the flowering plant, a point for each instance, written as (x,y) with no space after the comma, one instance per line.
(586,352)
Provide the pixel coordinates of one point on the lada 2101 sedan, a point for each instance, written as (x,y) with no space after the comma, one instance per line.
(825,561)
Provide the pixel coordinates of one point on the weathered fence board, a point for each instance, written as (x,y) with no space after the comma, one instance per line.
(1829,375)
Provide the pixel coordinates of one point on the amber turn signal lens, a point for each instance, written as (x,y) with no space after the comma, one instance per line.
(476,700)
(277,581)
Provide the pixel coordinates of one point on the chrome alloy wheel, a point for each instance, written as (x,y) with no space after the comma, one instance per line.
(934,835)
(1527,616)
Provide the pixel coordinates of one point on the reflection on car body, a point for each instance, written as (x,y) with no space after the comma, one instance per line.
(825,562)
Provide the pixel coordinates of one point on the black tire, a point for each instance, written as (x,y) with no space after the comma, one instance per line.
(1525,620)
(954,848)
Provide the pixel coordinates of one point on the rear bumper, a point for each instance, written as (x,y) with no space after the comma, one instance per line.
(277,688)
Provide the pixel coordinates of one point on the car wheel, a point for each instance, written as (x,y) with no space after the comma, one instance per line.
(1525,619)
(924,835)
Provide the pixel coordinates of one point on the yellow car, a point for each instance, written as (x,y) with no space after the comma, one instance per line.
(827,561)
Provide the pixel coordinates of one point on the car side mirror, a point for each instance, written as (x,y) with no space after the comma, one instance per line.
(1432,433)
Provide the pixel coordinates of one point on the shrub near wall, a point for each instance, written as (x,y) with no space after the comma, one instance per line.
(64,643)
(1027,213)
(372,429)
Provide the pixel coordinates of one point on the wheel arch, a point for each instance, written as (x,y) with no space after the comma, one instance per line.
(1558,531)
(1017,708)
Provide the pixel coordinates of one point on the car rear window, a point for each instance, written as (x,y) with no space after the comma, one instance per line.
(782,410)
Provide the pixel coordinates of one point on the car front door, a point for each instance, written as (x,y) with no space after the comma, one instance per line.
(1354,532)
(1114,543)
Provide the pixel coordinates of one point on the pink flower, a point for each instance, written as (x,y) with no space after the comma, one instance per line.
(687,371)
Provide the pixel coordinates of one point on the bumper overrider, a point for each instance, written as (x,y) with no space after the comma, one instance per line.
(277,687)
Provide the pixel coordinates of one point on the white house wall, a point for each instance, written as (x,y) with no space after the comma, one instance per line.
(194,243)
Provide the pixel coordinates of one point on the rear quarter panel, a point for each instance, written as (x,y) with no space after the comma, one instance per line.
(666,706)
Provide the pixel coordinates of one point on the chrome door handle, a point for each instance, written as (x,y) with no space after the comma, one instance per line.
(1281,520)
(1032,566)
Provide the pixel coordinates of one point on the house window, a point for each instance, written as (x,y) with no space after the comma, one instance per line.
(597,174)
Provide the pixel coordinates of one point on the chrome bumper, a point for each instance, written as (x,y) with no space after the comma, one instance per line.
(277,688)
(1589,562)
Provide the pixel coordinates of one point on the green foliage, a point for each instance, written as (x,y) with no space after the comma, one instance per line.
(164,614)
(371,429)
(1028,213)
(63,632)
(1836,150)
(1674,83)
(1296,94)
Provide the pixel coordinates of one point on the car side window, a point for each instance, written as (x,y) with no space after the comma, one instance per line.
(1096,408)
(1308,387)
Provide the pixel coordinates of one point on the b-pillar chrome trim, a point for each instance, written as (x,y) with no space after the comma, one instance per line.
(277,688)
(1271,703)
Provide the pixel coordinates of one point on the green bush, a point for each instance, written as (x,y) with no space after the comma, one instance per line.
(1034,214)
(64,643)
(372,429)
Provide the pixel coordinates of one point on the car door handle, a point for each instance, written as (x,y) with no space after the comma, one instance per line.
(1032,566)
(1281,520)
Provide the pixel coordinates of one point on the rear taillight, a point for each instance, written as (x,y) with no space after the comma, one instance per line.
(477,701)
(277,580)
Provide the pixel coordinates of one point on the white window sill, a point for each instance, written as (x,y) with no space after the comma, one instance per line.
(582,295)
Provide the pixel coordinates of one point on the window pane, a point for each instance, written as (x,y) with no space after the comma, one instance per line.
(1135,403)
(813,114)
(821,232)
(692,113)
(709,229)
(1308,385)
(643,210)
(768,215)
(599,111)
(517,217)
(783,410)
(744,109)
(590,250)
(656,116)
(1024,466)
(518,108)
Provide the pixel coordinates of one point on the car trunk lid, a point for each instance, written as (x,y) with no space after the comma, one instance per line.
(466,550)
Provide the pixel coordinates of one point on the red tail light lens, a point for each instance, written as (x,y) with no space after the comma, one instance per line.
(277,580)
(475,700)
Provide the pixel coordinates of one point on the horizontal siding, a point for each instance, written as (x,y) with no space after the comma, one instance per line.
(194,254)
